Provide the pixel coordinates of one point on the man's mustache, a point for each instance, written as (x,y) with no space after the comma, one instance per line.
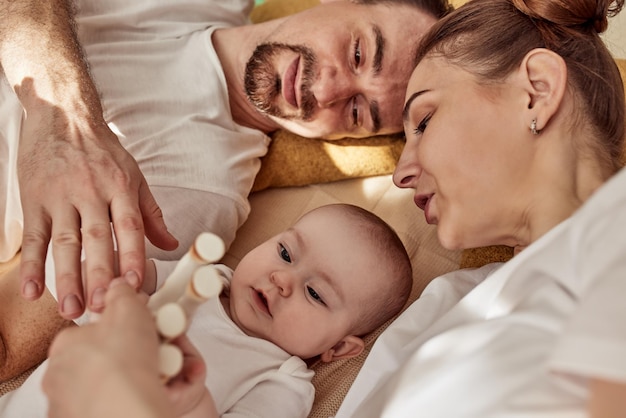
(263,84)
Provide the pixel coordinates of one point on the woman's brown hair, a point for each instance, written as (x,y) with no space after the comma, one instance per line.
(490,38)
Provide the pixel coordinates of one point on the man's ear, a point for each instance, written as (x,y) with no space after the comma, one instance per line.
(544,75)
(350,346)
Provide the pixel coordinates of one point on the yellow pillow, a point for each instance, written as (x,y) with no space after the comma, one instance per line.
(296,161)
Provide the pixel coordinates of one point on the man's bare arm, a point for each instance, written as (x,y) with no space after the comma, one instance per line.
(75,177)
(41,56)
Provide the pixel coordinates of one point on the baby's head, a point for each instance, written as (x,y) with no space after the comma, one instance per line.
(338,273)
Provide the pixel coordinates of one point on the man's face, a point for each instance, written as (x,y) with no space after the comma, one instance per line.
(337,70)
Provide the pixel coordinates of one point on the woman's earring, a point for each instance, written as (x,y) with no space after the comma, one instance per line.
(533,127)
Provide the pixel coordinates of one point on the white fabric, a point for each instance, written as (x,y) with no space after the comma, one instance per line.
(10,207)
(247,376)
(523,342)
(165,96)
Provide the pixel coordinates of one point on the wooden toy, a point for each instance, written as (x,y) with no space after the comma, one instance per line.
(193,281)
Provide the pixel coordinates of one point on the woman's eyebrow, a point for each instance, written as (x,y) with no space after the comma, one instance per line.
(407,106)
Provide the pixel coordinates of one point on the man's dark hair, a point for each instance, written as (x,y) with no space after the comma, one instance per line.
(436,8)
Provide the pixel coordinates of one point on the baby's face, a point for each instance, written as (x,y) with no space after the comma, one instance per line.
(305,288)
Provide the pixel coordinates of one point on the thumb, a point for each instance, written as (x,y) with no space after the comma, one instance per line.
(154,224)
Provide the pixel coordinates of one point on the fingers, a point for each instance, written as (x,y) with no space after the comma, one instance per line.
(128,216)
(66,250)
(193,367)
(121,346)
(68,237)
(97,241)
(80,223)
(35,240)
(71,190)
(127,316)
(156,230)
(187,388)
(126,306)
(75,292)
(129,233)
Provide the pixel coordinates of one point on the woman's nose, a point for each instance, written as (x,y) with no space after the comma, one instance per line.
(407,170)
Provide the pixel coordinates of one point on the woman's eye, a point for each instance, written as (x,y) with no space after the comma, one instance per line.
(284,254)
(314,295)
(421,127)
(357,53)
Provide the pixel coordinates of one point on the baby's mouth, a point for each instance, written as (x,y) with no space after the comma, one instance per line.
(262,302)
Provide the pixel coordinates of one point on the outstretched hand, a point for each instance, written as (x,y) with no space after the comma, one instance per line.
(110,367)
(76,183)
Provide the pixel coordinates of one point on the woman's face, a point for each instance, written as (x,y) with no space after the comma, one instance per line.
(467,154)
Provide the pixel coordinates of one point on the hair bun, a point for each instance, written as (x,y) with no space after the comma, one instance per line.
(572,13)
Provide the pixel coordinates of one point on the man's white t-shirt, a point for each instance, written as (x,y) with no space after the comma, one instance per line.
(165,96)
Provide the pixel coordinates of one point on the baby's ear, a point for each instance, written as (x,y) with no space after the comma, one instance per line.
(350,346)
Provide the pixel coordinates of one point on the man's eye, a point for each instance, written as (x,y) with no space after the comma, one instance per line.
(314,295)
(284,254)
(355,112)
(357,52)
(421,127)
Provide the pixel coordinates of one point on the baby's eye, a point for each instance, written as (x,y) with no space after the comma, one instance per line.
(284,254)
(314,295)
(357,53)
(421,127)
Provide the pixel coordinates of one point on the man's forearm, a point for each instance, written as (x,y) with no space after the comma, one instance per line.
(76,179)
(41,56)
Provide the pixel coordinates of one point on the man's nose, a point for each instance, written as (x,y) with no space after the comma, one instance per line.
(332,86)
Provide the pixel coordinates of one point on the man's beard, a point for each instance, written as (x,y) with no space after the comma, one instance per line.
(263,84)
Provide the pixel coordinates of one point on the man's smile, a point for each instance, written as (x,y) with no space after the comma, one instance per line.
(289,85)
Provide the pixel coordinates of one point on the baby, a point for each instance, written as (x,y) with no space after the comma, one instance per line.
(309,292)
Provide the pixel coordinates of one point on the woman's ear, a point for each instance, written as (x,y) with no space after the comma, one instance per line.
(350,346)
(545,78)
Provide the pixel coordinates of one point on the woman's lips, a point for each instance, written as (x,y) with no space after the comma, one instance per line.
(423,202)
(289,83)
